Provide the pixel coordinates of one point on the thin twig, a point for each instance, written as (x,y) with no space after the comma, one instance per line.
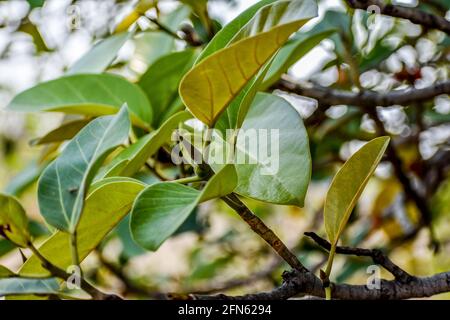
(377,256)
(414,15)
(260,228)
(363,98)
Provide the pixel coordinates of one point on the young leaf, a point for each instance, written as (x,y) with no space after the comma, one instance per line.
(348,184)
(108,202)
(278,166)
(211,85)
(21,286)
(94,94)
(160,82)
(133,158)
(65,132)
(13,221)
(62,186)
(98,59)
(163,207)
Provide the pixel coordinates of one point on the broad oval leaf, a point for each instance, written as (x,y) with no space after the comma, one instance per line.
(93,94)
(211,85)
(62,186)
(160,83)
(13,221)
(273,160)
(348,184)
(98,59)
(163,207)
(21,286)
(283,176)
(108,202)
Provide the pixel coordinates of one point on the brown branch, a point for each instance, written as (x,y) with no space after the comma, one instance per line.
(364,98)
(378,257)
(414,15)
(300,283)
(260,228)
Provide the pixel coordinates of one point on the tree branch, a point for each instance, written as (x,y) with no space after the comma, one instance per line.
(260,228)
(300,283)
(364,98)
(378,257)
(414,15)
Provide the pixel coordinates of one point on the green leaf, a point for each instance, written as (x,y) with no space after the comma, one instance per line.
(5,272)
(21,286)
(133,158)
(235,114)
(65,132)
(13,221)
(108,202)
(92,95)
(282,174)
(348,184)
(290,183)
(62,186)
(211,85)
(163,207)
(161,82)
(228,32)
(100,57)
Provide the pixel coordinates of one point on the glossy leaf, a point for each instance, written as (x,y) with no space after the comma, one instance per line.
(13,221)
(99,58)
(133,158)
(277,168)
(163,207)
(65,132)
(224,37)
(348,185)
(92,95)
(262,181)
(21,286)
(161,81)
(108,202)
(212,84)
(62,186)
